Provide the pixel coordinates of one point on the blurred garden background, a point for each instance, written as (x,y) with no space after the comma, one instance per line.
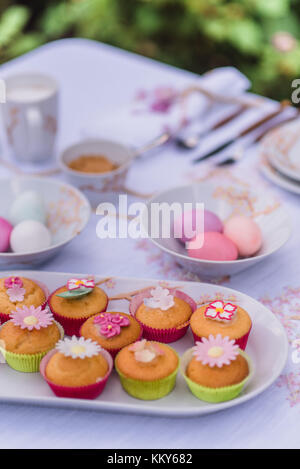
(260,37)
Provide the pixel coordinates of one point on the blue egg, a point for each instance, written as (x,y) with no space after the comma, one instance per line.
(29,205)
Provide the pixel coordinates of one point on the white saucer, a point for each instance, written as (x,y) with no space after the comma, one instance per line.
(281,147)
(277,178)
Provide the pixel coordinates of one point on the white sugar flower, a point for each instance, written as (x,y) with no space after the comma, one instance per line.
(160,298)
(78,347)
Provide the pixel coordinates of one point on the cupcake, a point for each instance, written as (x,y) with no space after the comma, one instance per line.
(75,302)
(164,313)
(112,330)
(16,292)
(147,369)
(222,318)
(28,336)
(216,369)
(77,367)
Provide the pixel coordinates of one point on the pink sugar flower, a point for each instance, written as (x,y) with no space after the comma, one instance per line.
(10,282)
(120,320)
(110,330)
(102,319)
(216,351)
(31,318)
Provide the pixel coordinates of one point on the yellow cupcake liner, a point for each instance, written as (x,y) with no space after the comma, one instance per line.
(214,395)
(148,390)
(27,363)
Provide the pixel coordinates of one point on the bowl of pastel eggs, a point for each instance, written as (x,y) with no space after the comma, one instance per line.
(38,217)
(237,226)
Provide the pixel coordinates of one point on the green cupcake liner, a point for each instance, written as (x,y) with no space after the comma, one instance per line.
(148,390)
(215,395)
(26,363)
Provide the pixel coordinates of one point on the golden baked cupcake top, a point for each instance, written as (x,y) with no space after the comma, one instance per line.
(222,318)
(77,362)
(111,330)
(163,310)
(80,298)
(147,360)
(217,363)
(30,330)
(19,291)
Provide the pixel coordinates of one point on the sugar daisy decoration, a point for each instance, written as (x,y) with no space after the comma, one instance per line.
(78,347)
(31,318)
(160,298)
(216,351)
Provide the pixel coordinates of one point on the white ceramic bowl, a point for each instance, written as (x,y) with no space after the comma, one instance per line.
(226,199)
(68,212)
(93,184)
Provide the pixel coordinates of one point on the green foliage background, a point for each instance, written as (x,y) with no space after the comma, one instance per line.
(192,34)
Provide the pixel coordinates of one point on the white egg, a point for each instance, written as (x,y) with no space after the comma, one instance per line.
(30,236)
(28,206)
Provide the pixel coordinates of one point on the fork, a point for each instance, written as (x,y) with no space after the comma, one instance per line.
(239,153)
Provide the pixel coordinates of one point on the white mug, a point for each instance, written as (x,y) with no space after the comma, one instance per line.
(30,115)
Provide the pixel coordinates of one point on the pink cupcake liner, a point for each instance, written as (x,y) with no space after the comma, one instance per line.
(5,317)
(241,342)
(162,335)
(80,392)
(114,351)
(71,325)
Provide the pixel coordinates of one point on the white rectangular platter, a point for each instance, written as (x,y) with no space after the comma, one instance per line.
(267,346)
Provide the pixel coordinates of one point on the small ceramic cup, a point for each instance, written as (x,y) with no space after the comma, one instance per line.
(94,184)
(30,115)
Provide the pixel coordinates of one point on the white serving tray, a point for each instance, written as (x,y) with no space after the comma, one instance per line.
(267,346)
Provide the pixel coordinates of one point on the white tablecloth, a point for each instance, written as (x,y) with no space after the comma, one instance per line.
(95,78)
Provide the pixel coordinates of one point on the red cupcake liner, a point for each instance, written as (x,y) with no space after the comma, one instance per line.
(79,392)
(114,351)
(241,342)
(6,317)
(71,325)
(162,335)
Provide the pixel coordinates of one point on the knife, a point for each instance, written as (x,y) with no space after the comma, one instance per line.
(244,132)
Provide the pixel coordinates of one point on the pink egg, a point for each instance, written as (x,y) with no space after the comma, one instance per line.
(187,222)
(5,231)
(245,233)
(216,247)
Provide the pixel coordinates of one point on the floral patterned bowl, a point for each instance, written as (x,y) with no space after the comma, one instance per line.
(226,196)
(95,184)
(68,212)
